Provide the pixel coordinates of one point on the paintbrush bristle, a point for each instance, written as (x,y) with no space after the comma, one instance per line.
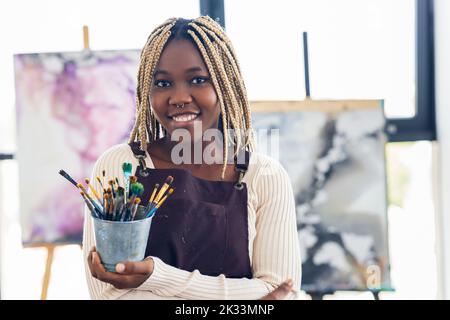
(126,167)
(137,188)
(68,177)
(169,180)
(99,181)
(86,180)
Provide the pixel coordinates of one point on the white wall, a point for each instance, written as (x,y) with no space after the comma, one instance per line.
(442,67)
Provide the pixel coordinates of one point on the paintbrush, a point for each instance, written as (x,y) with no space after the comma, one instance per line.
(111,183)
(152,197)
(119,207)
(158,205)
(133,179)
(134,208)
(111,207)
(93,190)
(136,190)
(101,184)
(68,177)
(110,199)
(127,171)
(89,205)
(106,198)
(161,192)
(119,203)
(94,203)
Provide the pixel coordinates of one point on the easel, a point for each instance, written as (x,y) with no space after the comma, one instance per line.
(320,295)
(49,246)
(328,106)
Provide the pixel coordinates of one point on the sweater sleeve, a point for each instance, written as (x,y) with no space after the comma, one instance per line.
(276,253)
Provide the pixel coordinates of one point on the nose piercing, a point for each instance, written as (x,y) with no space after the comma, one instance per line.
(180,105)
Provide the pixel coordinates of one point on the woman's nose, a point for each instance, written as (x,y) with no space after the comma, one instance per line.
(180,95)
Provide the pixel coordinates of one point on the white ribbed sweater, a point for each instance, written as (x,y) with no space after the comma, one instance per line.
(273,242)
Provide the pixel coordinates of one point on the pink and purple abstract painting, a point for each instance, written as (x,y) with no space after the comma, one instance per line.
(70,108)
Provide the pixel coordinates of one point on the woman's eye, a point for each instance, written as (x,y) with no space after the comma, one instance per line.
(162,83)
(199,80)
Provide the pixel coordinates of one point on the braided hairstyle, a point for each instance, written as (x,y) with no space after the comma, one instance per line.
(220,59)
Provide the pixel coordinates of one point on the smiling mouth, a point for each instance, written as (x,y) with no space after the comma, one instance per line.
(187,117)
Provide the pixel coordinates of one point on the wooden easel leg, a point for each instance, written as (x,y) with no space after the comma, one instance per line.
(48,269)
(376,295)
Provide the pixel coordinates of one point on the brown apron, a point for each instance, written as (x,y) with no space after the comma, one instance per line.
(203,225)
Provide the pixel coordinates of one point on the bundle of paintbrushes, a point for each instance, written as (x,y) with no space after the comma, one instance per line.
(119,203)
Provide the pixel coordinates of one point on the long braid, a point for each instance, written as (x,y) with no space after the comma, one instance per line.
(230,94)
(144,135)
(143,128)
(234,71)
(225,72)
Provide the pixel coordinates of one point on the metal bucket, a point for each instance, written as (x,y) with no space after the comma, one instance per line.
(118,241)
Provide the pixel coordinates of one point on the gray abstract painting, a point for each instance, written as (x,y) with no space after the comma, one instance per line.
(336,163)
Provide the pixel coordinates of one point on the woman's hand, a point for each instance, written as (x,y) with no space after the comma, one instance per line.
(281,292)
(129,275)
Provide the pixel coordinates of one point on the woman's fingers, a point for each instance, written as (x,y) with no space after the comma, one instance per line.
(90,262)
(97,262)
(281,292)
(142,267)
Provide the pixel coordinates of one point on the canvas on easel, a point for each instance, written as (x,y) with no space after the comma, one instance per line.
(333,152)
(70,107)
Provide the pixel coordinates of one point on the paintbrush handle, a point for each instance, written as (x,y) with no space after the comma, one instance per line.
(95,193)
(127,187)
(91,208)
(161,192)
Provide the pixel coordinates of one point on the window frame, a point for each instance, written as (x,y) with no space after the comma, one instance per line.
(423,125)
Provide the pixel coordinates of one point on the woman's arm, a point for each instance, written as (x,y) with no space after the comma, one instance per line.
(276,253)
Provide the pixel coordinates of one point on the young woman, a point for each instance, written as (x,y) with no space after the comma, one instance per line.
(229,230)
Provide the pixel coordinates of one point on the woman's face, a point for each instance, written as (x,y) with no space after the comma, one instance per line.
(181,77)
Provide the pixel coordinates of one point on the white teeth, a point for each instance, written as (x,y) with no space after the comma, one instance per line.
(185,117)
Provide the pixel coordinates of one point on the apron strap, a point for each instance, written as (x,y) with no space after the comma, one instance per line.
(140,155)
(241,166)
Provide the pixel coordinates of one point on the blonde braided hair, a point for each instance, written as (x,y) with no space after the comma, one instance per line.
(223,67)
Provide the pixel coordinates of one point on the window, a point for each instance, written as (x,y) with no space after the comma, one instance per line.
(357,49)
